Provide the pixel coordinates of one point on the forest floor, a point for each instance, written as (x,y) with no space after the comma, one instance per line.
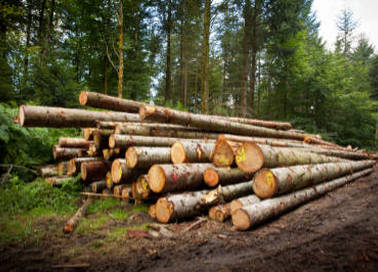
(337,232)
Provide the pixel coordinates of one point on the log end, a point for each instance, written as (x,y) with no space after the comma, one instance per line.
(223,154)
(178,154)
(146,111)
(108,180)
(112,141)
(142,188)
(264,183)
(164,210)
(249,157)
(211,178)
(241,220)
(116,171)
(83,98)
(235,205)
(131,157)
(83,171)
(156,178)
(68,228)
(152,211)
(88,133)
(21,115)
(125,193)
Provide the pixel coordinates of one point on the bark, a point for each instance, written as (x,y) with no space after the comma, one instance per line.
(251,215)
(164,178)
(88,133)
(28,36)
(163,130)
(341,154)
(109,124)
(211,123)
(75,164)
(63,168)
(121,173)
(214,176)
(98,186)
(94,170)
(251,157)
(228,193)
(145,156)
(205,58)
(120,49)
(168,26)
(64,153)
(57,181)
(125,141)
(220,213)
(101,138)
(102,101)
(245,46)
(272,182)
(112,153)
(73,142)
(74,220)
(179,206)
(40,116)
(185,152)
(243,201)
(48,170)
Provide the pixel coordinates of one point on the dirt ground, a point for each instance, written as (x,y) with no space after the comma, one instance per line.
(337,232)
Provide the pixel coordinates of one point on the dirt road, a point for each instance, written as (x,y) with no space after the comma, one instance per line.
(337,232)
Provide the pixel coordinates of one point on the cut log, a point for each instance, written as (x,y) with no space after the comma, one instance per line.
(113,153)
(179,206)
(228,193)
(164,178)
(251,157)
(243,201)
(74,220)
(125,141)
(108,180)
(117,190)
(214,176)
(98,186)
(109,124)
(94,170)
(142,188)
(40,116)
(103,101)
(272,182)
(248,216)
(224,152)
(184,152)
(107,193)
(73,142)
(57,181)
(341,154)
(126,193)
(63,168)
(64,153)
(220,213)
(121,173)
(101,138)
(209,123)
(88,133)
(48,170)
(146,156)
(75,163)
(152,211)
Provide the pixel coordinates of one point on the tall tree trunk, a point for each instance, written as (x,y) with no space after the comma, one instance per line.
(167,94)
(205,59)
(41,27)
(246,38)
(182,63)
(120,49)
(28,34)
(259,91)
(186,83)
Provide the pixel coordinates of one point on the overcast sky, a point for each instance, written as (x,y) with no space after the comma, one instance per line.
(364,11)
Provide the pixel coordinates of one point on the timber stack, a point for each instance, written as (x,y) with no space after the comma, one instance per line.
(187,164)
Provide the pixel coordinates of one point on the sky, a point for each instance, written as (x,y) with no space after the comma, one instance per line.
(365,12)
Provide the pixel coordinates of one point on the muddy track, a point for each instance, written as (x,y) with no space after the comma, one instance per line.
(337,232)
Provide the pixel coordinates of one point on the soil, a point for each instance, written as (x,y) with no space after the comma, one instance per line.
(337,232)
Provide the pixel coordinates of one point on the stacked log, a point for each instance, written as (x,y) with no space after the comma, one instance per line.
(189,164)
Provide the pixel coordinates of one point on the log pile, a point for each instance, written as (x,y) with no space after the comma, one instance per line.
(187,164)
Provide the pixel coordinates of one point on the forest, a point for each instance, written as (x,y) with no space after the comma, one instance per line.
(262,59)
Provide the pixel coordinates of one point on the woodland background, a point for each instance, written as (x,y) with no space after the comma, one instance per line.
(256,58)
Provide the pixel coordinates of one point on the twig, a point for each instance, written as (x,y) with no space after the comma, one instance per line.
(89,194)
(80,265)
(20,167)
(6,175)
(202,219)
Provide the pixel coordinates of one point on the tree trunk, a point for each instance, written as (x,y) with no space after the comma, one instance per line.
(228,193)
(125,141)
(120,49)
(142,189)
(245,46)
(102,101)
(178,206)
(48,170)
(223,153)
(73,142)
(94,170)
(117,190)
(88,133)
(220,213)
(74,220)
(168,26)
(28,36)
(126,193)
(163,178)
(98,186)
(75,164)
(112,153)
(101,138)
(185,152)
(109,180)
(63,168)
(224,176)
(152,211)
(251,215)
(64,153)
(163,130)
(109,124)
(208,122)
(57,181)
(39,116)
(272,182)
(251,157)
(121,173)
(146,156)
(205,58)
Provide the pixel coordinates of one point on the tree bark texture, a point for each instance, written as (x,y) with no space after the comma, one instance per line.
(146,156)
(185,152)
